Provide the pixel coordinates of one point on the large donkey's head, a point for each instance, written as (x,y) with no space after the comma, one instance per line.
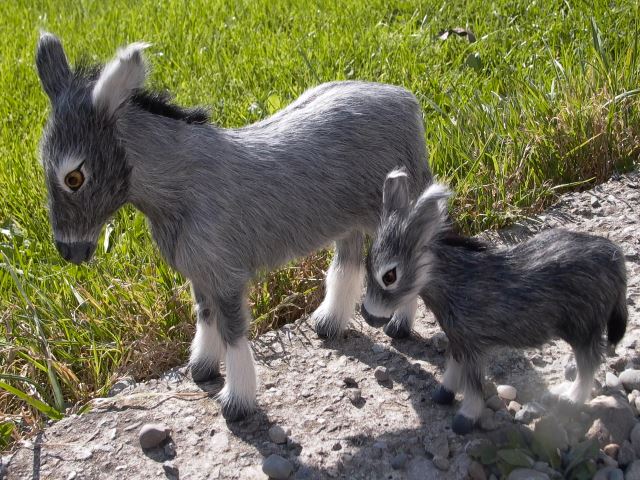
(85,167)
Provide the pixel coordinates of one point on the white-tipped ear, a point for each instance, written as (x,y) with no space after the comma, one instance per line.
(120,78)
(429,213)
(52,64)
(395,192)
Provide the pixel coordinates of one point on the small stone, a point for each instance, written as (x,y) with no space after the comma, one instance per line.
(611,381)
(527,474)
(612,450)
(489,389)
(507,392)
(438,446)
(606,460)
(381,374)
(121,385)
(277,467)
(550,433)
(440,342)
(336,446)
(170,470)
(538,360)
(616,474)
(633,471)
(603,473)
(626,454)
(613,416)
(487,420)
(350,382)
(476,471)
(529,411)
(277,434)
(441,463)
(495,403)
(85,454)
(72,475)
(595,203)
(630,379)
(152,434)
(354,395)
(170,450)
(399,461)
(635,439)
(514,407)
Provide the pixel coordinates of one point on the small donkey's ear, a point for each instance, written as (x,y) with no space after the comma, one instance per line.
(120,78)
(52,64)
(429,213)
(395,193)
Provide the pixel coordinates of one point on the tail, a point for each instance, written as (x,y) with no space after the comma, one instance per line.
(617,325)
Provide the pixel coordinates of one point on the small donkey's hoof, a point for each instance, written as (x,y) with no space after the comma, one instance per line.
(327,326)
(461,424)
(372,320)
(443,396)
(397,329)
(204,372)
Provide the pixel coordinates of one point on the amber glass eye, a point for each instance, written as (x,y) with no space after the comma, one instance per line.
(74,180)
(389,277)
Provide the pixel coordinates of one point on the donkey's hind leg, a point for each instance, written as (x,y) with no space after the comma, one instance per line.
(473,403)
(343,287)
(588,359)
(445,393)
(401,323)
(207,348)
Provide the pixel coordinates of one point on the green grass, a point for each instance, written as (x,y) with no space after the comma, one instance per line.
(544,100)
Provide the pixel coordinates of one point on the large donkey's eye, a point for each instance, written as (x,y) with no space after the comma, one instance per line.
(74,179)
(389,277)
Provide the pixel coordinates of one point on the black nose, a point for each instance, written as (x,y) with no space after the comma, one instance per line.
(371,320)
(76,252)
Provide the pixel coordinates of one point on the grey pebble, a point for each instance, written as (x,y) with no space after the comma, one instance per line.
(152,434)
(476,471)
(612,381)
(630,379)
(495,403)
(626,454)
(635,439)
(633,471)
(381,374)
(527,474)
(441,463)
(529,412)
(354,395)
(277,434)
(399,461)
(336,446)
(171,470)
(277,467)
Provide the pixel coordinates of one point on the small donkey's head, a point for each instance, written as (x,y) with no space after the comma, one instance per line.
(85,166)
(398,261)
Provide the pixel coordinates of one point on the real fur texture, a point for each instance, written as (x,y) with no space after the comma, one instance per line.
(558,284)
(223,204)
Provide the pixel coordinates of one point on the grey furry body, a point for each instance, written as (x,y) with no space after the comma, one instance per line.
(223,204)
(558,284)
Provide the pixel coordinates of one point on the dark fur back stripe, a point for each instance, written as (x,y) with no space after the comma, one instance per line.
(454,239)
(159,103)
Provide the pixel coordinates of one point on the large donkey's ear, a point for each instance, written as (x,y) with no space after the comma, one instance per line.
(52,64)
(429,213)
(395,193)
(120,78)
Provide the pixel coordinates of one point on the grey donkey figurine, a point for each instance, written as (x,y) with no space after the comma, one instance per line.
(557,284)
(223,204)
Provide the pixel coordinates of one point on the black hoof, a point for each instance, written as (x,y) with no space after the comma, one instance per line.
(325,327)
(461,424)
(235,413)
(443,396)
(376,322)
(397,329)
(201,372)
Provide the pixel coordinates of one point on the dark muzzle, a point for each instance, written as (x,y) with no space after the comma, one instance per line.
(372,320)
(76,252)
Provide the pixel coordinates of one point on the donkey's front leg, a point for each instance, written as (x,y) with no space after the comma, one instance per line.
(207,348)
(473,403)
(445,393)
(402,321)
(343,287)
(238,397)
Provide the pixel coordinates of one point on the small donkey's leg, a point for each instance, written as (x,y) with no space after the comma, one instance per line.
(445,393)
(588,358)
(401,323)
(473,403)
(343,287)
(207,348)
(238,397)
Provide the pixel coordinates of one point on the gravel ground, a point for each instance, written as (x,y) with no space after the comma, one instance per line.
(327,415)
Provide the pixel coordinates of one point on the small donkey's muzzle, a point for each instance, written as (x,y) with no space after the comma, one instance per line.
(76,252)
(373,320)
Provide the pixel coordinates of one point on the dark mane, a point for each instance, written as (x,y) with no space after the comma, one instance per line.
(451,238)
(160,103)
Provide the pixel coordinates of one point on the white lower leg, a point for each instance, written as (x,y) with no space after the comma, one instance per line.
(580,389)
(239,392)
(451,377)
(343,287)
(406,314)
(207,348)
(472,405)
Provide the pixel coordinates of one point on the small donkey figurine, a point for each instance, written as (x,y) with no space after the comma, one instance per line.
(223,204)
(558,284)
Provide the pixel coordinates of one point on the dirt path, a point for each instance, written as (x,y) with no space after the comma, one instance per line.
(341,422)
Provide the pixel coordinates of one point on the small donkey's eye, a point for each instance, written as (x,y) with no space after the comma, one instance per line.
(74,180)
(389,277)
